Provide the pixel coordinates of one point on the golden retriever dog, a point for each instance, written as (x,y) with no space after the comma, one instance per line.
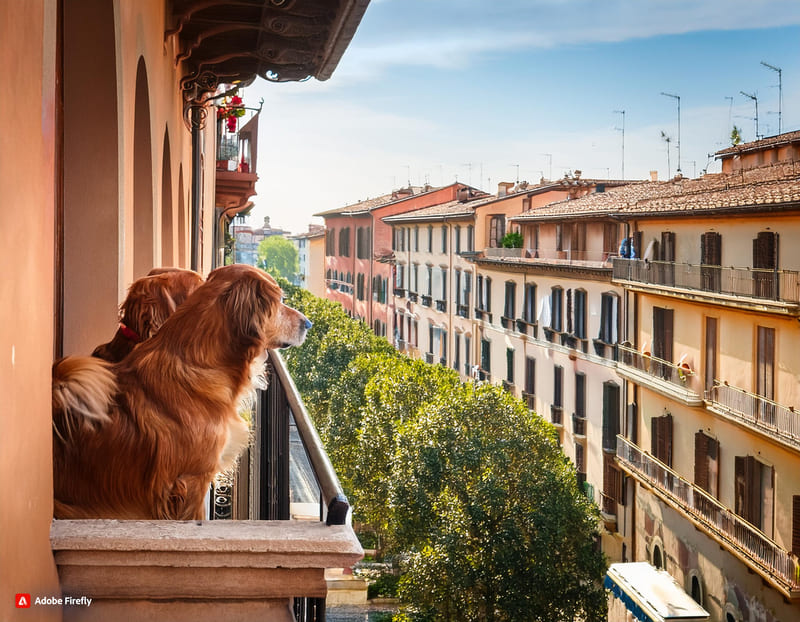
(150,301)
(143,438)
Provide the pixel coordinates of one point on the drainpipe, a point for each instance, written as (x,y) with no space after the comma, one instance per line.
(197,117)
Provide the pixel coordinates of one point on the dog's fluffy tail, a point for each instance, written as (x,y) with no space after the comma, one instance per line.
(83,391)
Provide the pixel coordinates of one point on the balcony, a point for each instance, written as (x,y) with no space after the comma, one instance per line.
(578,426)
(236,167)
(777,290)
(507,323)
(462,311)
(509,387)
(557,415)
(429,358)
(483,315)
(426,300)
(399,292)
(412,296)
(530,400)
(552,256)
(606,350)
(669,379)
(441,305)
(740,538)
(776,421)
(267,566)
(524,327)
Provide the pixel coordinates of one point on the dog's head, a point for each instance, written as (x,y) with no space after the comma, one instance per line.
(252,305)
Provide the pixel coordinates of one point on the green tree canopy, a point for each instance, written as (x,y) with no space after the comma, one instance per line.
(490,510)
(278,256)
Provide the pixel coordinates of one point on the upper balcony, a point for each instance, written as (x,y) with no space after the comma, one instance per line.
(552,256)
(236,161)
(777,566)
(673,380)
(765,290)
(775,421)
(291,523)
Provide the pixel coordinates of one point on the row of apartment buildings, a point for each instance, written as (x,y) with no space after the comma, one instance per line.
(653,323)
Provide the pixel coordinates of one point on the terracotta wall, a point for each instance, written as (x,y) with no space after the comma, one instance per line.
(28,48)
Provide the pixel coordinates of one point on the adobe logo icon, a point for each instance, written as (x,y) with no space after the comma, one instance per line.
(22,601)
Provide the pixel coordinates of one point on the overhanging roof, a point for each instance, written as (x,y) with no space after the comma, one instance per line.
(234,41)
(652,595)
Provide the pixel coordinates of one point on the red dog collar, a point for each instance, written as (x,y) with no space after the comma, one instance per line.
(129,334)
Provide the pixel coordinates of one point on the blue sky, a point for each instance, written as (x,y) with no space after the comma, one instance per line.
(434,90)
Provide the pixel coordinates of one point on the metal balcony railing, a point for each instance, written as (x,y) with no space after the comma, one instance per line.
(412,296)
(543,255)
(776,285)
(441,305)
(285,466)
(605,349)
(529,399)
(671,372)
(578,425)
(429,358)
(556,414)
(765,556)
(776,420)
(463,311)
(426,300)
(399,292)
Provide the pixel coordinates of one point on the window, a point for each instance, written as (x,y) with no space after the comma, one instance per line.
(330,243)
(559,237)
(765,362)
(556,302)
(529,310)
(610,416)
(580,395)
(457,238)
(530,375)
(610,238)
(511,296)
(363,242)
(360,286)
(710,258)
(470,238)
(456,351)
(706,463)
(556,413)
(344,242)
(497,229)
(765,262)
(661,438)
(486,355)
(711,352)
(609,314)
(400,276)
(467,344)
(416,238)
(444,239)
(579,322)
(510,365)
(430,238)
(457,286)
(415,278)
(430,280)
(444,284)
(754,492)
(662,339)
(580,462)
(578,240)
(467,288)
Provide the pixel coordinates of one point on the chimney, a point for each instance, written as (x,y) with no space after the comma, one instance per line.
(462,194)
(503,187)
(653,175)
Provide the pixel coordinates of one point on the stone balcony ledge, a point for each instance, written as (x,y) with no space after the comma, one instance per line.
(196,570)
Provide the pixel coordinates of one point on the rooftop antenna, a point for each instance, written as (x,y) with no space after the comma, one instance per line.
(780,90)
(549,156)
(678,98)
(622,112)
(517,165)
(408,171)
(469,171)
(754,97)
(665,137)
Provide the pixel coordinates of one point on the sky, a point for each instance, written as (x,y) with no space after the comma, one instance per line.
(439,91)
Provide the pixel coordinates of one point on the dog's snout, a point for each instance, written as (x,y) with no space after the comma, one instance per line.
(309,324)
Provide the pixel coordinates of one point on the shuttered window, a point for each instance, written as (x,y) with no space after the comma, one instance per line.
(558,386)
(706,463)
(765,362)
(580,395)
(754,492)
(610,415)
(612,485)
(556,308)
(661,438)
(529,312)
(667,248)
(662,339)
(580,314)
(765,262)
(609,314)
(511,298)
(710,256)
(497,229)
(712,328)
(510,365)
(530,375)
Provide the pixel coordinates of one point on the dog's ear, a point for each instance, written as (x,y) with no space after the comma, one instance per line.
(148,305)
(249,303)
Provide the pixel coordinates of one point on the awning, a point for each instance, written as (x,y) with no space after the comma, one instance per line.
(652,595)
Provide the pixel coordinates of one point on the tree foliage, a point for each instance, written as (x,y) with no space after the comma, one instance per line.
(278,256)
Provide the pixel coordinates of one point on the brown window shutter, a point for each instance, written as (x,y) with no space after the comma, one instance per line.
(701,460)
(667,250)
(740,486)
(752,475)
(796,524)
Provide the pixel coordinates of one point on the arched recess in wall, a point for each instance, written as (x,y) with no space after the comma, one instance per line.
(143,246)
(90,250)
(167,212)
(183,232)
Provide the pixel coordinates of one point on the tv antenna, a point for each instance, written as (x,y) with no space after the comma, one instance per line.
(754,97)
(517,165)
(678,98)
(549,156)
(780,91)
(622,112)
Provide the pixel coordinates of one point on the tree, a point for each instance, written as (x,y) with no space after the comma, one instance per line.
(736,136)
(278,256)
(490,510)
